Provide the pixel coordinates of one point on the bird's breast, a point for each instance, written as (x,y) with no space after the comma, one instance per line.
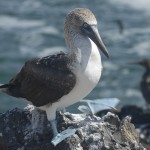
(90,66)
(89,77)
(85,82)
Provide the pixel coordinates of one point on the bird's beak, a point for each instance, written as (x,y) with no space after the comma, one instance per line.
(143,63)
(136,63)
(93,34)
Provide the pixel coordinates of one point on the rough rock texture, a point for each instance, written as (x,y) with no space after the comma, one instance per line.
(141,120)
(140,117)
(29,130)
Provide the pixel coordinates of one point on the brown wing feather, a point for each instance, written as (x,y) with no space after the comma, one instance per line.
(43,81)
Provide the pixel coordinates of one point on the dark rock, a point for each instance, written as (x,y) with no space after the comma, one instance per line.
(29,130)
(3,145)
(140,117)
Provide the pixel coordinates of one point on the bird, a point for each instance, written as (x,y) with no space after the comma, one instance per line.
(56,81)
(120,25)
(145,81)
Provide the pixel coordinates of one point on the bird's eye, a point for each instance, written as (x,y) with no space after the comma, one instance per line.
(85,25)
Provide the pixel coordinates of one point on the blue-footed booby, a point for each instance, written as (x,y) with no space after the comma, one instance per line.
(57,81)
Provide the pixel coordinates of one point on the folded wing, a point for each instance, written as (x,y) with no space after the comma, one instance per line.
(43,81)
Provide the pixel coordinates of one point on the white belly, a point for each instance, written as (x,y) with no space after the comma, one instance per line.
(86,82)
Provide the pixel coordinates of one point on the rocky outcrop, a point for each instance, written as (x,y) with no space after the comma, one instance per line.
(140,117)
(29,129)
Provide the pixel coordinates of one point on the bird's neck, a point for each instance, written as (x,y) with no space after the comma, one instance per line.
(82,49)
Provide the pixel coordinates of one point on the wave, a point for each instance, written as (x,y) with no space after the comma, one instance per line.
(136,4)
(14,22)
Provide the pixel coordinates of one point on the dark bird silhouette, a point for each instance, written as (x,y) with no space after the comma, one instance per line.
(145,82)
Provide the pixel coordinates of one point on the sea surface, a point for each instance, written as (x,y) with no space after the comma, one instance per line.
(34,28)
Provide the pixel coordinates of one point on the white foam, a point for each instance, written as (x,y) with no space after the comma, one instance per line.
(131,31)
(31,42)
(136,4)
(14,22)
(142,48)
(110,65)
(48,30)
(133,92)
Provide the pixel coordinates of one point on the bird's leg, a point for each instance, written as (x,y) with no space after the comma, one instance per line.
(54,127)
(57,137)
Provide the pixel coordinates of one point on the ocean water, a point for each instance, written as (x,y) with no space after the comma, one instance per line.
(34,28)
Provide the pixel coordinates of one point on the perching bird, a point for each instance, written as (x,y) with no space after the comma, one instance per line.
(145,82)
(57,81)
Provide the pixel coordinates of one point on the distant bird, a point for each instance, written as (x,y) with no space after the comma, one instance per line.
(120,25)
(57,81)
(145,82)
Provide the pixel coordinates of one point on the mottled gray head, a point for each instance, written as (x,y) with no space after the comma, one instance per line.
(82,21)
(79,16)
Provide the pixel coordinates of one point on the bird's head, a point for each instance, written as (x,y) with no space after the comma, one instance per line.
(85,23)
(144,62)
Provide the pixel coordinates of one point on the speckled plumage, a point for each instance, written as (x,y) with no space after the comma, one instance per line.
(43,80)
(80,15)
